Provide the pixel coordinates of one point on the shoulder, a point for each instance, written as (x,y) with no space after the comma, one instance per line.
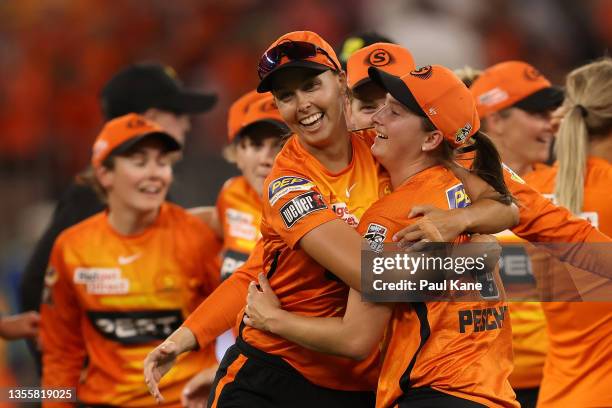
(542,178)
(366,136)
(599,170)
(73,237)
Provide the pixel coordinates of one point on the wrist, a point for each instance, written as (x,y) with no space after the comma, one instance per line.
(463,219)
(184,339)
(275,320)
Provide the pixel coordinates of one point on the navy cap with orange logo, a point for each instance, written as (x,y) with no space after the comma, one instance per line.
(514,83)
(437,93)
(250,109)
(296,49)
(122,133)
(391,58)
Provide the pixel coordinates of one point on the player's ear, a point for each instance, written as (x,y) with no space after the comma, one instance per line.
(432,140)
(105,176)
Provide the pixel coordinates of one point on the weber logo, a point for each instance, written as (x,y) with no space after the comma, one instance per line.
(137,327)
(301,206)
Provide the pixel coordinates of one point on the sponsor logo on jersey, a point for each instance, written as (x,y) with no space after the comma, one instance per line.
(136,327)
(479,320)
(232,260)
(126,260)
(283,185)
(343,212)
(51,276)
(513,175)
(241,224)
(102,281)
(376,235)
(300,206)
(457,197)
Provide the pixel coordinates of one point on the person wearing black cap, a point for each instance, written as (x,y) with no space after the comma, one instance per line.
(150,89)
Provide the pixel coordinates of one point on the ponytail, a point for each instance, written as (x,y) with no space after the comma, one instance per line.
(572,149)
(488,166)
(588,103)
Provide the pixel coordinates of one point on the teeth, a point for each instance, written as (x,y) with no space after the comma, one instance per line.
(150,189)
(378,134)
(311,119)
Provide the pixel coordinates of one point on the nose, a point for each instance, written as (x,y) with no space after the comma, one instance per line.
(376,116)
(185,121)
(267,155)
(303,101)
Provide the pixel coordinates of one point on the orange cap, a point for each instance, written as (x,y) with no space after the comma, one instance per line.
(120,134)
(514,83)
(437,93)
(296,49)
(251,108)
(391,58)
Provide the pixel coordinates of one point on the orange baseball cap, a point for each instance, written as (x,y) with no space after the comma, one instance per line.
(391,58)
(120,134)
(250,109)
(434,92)
(514,83)
(296,49)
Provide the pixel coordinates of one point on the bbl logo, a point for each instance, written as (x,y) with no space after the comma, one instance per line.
(532,74)
(423,72)
(379,58)
(462,134)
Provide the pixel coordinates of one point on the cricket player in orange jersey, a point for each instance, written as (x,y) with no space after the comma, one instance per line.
(578,366)
(119,282)
(255,131)
(515,101)
(428,113)
(323,179)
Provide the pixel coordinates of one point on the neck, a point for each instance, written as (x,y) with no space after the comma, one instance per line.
(126,221)
(601,148)
(336,155)
(406,170)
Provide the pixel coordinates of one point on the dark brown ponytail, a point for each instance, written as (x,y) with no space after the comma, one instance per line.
(488,166)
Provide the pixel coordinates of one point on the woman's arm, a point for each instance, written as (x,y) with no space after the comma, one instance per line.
(354,335)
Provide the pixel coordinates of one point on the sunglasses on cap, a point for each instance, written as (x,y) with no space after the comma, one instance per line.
(294,50)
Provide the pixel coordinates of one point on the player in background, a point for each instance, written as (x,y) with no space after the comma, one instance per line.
(357,41)
(122,280)
(150,89)
(515,102)
(431,360)
(255,132)
(323,179)
(578,366)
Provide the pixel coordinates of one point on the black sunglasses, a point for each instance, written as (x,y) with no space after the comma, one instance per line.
(294,50)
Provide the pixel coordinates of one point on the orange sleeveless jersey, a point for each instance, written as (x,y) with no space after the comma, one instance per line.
(459,348)
(110,299)
(299,195)
(578,369)
(239,209)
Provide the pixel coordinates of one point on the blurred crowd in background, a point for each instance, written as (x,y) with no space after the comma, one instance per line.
(55,55)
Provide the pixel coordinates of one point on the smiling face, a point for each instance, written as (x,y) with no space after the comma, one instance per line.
(401,138)
(522,137)
(310,103)
(138,180)
(366,100)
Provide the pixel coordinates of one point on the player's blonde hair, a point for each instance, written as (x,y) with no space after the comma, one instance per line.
(588,105)
(468,75)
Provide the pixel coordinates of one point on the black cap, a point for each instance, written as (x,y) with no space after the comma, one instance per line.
(139,87)
(397,88)
(357,41)
(542,100)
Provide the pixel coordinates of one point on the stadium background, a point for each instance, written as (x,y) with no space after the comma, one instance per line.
(55,55)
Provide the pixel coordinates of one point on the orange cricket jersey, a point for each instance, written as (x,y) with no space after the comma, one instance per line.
(529,339)
(578,369)
(110,299)
(239,209)
(299,195)
(459,348)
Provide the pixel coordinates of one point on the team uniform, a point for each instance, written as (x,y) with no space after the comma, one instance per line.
(578,366)
(299,195)
(239,209)
(110,299)
(436,355)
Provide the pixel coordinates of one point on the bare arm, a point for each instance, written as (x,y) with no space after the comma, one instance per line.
(210,216)
(354,335)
